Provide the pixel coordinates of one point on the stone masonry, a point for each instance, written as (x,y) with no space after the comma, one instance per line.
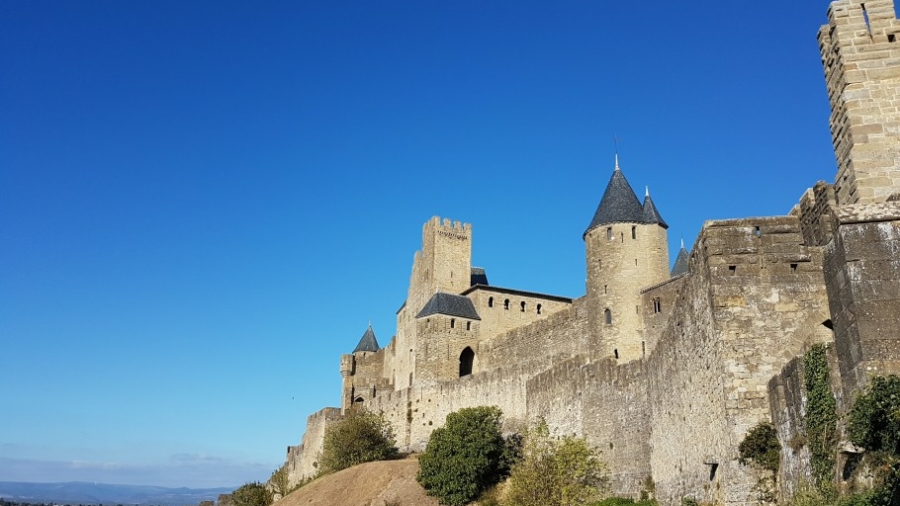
(666,372)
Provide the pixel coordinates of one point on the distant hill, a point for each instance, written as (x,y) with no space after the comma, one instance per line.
(100,493)
(375,483)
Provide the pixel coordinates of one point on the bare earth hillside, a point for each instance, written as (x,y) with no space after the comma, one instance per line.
(370,484)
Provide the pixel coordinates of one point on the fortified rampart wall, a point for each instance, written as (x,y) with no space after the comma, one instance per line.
(302,460)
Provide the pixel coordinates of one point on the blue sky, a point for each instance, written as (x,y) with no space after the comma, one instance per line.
(203,204)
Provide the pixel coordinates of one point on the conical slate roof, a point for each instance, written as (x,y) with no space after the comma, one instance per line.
(368,341)
(619,203)
(681,263)
(451,305)
(651,215)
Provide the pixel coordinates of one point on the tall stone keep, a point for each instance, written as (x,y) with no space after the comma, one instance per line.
(860,49)
(627,249)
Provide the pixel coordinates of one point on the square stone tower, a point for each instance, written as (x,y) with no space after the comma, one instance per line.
(860,49)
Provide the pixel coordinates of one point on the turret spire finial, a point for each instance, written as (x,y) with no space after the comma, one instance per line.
(616,140)
(682,243)
(646,191)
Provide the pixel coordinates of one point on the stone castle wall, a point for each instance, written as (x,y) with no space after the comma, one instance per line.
(302,461)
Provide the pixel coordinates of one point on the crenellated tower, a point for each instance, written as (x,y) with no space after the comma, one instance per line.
(627,249)
(860,49)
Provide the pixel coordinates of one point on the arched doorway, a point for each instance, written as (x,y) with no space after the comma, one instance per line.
(466,361)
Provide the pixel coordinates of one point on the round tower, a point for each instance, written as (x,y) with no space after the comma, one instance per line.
(627,250)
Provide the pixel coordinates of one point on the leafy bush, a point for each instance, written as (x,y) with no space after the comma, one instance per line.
(556,471)
(761,447)
(360,437)
(875,416)
(252,494)
(464,457)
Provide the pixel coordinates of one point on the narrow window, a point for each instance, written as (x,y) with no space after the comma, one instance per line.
(468,325)
(732,269)
(659,305)
(539,309)
(643,348)
(523,306)
(466,361)
(452,323)
(634,232)
(622,234)
(373,392)
(609,235)
(605,289)
(712,471)
(793,267)
(608,315)
(506,304)
(616,353)
(600,264)
(490,302)
(757,232)
(410,379)
(892,37)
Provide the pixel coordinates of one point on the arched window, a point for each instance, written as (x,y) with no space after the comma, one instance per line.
(466,361)
(523,306)
(506,304)
(539,309)
(468,325)
(634,232)
(609,234)
(490,302)
(608,315)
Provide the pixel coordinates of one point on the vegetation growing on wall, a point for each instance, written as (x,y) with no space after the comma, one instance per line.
(761,447)
(252,494)
(874,423)
(360,437)
(821,419)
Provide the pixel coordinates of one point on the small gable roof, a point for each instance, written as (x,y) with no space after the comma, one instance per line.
(681,263)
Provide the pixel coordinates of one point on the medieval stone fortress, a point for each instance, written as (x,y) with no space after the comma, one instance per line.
(666,370)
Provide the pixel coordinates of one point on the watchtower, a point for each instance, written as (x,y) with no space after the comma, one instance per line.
(627,249)
(860,49)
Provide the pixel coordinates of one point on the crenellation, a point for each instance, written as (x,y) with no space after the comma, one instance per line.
(666,372)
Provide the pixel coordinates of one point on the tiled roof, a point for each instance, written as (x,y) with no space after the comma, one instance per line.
(368,341)
(651,215)
(619,204)
(450,305)
(681,263)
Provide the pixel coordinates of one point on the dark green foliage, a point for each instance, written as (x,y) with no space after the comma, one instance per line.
(252,494)
(761,447)
(464,457)
(360,437)
(821,418)
(874,421)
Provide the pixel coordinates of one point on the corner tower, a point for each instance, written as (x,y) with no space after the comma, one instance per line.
(860,49)
(627,249)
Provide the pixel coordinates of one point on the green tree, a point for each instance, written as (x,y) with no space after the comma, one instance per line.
(556,471)
(252,494)
(761,447)
(464,457)
(362,436)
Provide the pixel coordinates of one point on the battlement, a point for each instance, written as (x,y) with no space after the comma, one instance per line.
(448,228)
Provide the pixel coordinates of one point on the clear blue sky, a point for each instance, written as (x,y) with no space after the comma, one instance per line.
(202,204)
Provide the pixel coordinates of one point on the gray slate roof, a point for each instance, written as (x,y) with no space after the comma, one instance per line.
(681,263)
(620,204)
(450,305)
(368,341)
(651,215)
(478,277)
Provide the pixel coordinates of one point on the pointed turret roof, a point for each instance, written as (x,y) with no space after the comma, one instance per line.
(651,215)
(681,263)
(619,203)
(368,341)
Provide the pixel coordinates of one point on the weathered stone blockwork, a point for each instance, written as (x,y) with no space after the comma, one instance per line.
(667,374)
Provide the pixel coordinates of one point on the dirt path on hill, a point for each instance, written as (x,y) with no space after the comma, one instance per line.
(365,485)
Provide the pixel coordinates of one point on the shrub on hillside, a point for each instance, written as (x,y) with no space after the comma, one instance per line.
(761,447)
(361,436)
(252,494)
(556,471)
(464,457)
